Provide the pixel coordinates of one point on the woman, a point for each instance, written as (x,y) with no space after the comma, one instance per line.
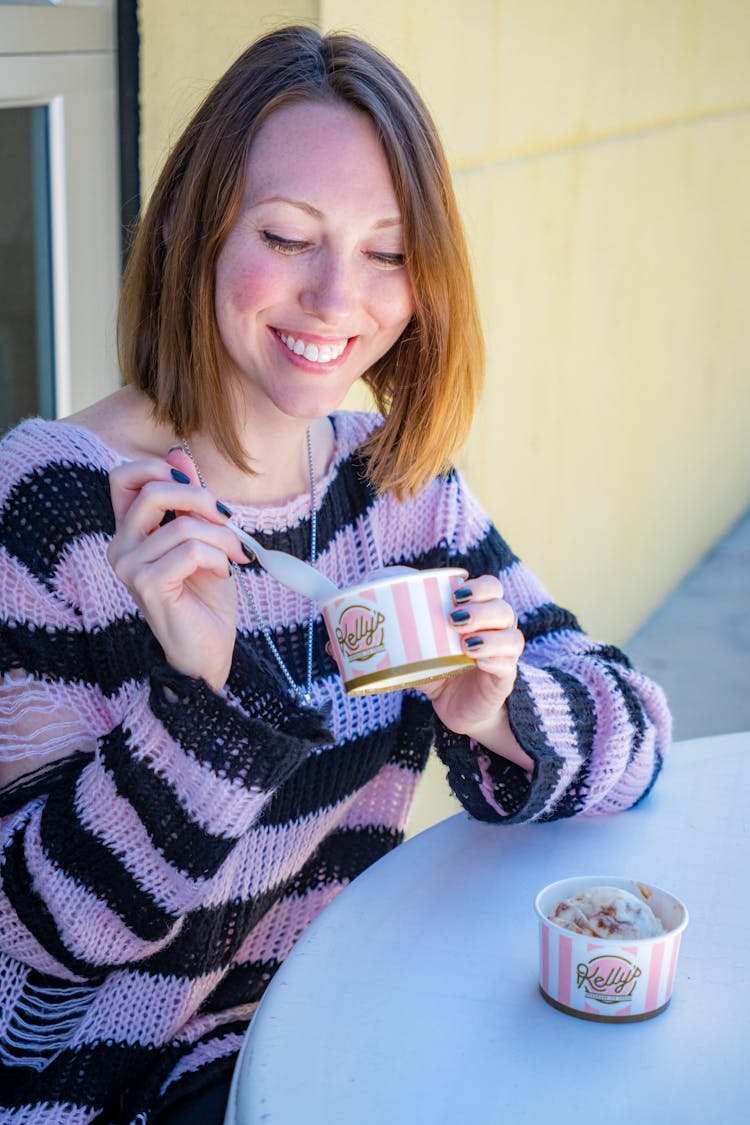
(186,783)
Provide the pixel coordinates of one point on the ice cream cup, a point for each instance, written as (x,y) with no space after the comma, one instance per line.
(393,632)
(610,980)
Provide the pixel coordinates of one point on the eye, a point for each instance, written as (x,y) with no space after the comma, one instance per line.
(388,261)
(283,245)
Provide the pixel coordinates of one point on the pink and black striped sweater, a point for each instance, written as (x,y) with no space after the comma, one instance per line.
(154,877)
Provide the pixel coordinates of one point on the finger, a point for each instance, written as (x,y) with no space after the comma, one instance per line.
(178,459)
(469,617)
(483,589)
(496,644)
(128,478)
(157,497)
(165,578)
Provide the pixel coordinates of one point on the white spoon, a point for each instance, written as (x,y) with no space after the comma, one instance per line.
(289,570)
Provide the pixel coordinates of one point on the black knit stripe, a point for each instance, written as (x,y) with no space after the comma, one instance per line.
(529,731)
(489,555)
(106,658)
(610,653)
(582,714)
(633,706)
(86,1076)
(342,856)
(329,777)
(32,910)
(244,748)
(194,1081)
(35,521)
(182,842)
(547,619)
(91,864)
(243,984)
(341,508)
(210,937)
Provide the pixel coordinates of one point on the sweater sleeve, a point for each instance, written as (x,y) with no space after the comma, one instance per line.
(596,729)
(149,778)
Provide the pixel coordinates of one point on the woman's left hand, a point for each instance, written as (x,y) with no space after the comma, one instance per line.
(473,703)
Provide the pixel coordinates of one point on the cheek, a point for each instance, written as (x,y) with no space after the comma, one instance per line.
(244,284)
(396,305)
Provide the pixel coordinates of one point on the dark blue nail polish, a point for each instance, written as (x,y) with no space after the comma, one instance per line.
(223,509)
(179,476)
(462,595)
(247,552)
(460,616)
(474,642)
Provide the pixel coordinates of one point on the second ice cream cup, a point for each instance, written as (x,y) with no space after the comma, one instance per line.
(610,980)
(393,632)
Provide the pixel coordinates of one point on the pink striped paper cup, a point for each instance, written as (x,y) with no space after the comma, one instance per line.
(393,632)
(611,980)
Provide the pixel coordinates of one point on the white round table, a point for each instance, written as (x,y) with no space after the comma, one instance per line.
(413,998)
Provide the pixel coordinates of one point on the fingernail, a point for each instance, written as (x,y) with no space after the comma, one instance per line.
(474,642)
(247,552)
(229,568)
(459,616)
(462,595)
(175,449)
(179,477)
(223,509)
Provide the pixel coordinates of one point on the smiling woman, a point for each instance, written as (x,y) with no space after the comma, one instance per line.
(311,286)
(427,380)
(186,782)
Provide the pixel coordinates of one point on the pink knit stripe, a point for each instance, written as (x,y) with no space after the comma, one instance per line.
(382,801)
(49,1113)
(85,578)
(268,855)
(285,922)
(522,590)
(114,822)
(553,711)
(89,929)
(487,785)
(22,945)
(143,1007)
(219,1047)
(32,601)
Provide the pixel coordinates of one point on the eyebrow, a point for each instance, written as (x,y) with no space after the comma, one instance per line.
(315,213)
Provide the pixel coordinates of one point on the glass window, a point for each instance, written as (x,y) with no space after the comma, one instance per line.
(26,336)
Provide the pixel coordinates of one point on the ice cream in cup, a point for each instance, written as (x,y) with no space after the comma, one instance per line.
(392,631)
(608,947)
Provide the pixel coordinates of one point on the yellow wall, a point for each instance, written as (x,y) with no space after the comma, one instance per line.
(601,153)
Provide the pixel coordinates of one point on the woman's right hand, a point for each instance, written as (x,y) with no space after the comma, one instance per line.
(178,572)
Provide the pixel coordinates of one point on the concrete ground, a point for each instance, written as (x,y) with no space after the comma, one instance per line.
(697,643)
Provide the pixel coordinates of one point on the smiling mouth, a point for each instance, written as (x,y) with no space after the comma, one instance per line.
(316,353)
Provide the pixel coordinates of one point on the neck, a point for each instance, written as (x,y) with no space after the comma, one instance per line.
(278,458)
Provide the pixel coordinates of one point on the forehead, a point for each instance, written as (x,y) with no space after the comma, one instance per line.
(319,153)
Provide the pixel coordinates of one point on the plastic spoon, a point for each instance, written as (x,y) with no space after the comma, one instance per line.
(289,570)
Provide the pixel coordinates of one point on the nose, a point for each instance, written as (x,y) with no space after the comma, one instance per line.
(329,290)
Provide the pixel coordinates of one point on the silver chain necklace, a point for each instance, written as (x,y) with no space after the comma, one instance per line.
(243,581)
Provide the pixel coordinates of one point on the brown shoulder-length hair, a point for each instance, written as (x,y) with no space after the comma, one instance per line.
(427,384)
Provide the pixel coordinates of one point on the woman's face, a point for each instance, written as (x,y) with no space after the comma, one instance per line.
(311,287)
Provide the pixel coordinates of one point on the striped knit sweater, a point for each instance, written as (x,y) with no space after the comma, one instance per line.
(154,877)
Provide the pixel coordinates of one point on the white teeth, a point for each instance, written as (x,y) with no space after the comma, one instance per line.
(317,353)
